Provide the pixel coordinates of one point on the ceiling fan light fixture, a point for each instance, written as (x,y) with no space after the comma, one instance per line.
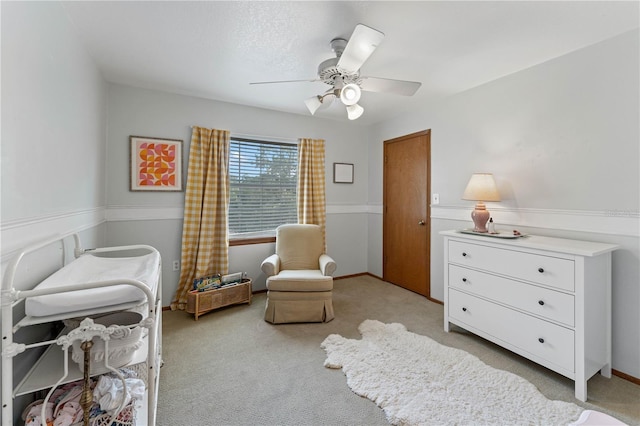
(313,103)
(354,111)
(342,74)
(350,94)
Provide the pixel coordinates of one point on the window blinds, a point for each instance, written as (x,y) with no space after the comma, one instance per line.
(262,180)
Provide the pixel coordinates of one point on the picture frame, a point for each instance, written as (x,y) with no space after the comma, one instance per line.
(155,164)
(342,173)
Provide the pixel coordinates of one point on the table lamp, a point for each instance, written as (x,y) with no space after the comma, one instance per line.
(481,187)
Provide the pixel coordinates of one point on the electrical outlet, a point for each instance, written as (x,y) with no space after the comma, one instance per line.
(435,199)
(176,265)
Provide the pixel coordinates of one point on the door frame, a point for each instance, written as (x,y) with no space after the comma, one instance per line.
(426,133)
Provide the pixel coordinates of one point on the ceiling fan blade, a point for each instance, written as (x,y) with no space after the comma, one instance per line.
(386,85)
(287,81)
(361,45)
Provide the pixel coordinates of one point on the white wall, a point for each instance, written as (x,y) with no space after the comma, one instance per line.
(54,117)
(53,142)
(562,140)
(156,218)
(53,126)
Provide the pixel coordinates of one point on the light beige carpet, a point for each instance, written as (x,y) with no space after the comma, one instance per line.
(232,368)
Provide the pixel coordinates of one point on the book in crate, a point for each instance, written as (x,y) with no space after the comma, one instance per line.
(206,283)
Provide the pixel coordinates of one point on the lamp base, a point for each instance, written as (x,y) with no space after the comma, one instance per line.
(480,217)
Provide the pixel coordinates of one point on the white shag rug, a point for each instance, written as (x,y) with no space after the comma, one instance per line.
(417,381)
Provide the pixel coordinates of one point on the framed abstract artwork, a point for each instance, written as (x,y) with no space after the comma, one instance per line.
(156,164)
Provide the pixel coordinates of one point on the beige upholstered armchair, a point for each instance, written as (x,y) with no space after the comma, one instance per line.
(299,281)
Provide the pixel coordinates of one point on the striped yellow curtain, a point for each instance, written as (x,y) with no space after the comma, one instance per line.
(311,198)
(205,238)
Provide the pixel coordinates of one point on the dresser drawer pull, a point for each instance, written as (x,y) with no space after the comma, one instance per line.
(464,309)
(464,280)
(541,340)
(541,302)
(464,254)
(541,270)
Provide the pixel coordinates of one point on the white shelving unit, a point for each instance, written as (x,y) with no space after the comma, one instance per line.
(49,369)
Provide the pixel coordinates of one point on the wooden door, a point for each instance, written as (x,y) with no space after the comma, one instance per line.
(406,225)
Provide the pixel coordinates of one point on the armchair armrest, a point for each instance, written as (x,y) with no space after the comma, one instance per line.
(271,265)
(327,265)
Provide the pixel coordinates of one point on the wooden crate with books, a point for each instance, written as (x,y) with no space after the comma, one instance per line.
(215,292)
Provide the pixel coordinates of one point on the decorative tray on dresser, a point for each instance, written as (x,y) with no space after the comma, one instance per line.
(547,299)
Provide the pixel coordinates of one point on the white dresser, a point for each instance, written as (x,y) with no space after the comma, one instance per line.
(547,299)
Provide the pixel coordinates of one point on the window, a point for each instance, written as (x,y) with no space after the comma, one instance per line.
(262,181)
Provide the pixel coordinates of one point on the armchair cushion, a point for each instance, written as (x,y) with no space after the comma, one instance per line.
(300,280)
(299,246)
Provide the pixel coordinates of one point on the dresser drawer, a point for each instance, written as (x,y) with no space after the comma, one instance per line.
(546,270)
(543,339)
(540,301)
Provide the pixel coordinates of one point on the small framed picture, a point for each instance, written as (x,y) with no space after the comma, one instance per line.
(156,164)
(342,173)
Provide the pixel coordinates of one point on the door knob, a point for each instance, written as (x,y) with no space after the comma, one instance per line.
(421,223)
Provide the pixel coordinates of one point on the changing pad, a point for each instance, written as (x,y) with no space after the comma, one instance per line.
(88,269)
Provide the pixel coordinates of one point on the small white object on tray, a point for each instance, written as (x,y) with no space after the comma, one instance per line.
(505,235)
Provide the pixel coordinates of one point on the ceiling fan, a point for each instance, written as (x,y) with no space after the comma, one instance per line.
(342,73)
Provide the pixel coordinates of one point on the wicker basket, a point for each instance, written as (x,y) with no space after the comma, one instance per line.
(127,417)
(201,302)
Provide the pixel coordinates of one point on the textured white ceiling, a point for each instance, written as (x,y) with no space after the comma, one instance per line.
(214,49)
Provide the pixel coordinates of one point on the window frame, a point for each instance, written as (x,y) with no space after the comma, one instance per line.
(258,237)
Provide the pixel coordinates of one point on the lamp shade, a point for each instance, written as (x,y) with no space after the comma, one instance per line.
(313,104)
(481,187)
(354,111)
(350,94)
